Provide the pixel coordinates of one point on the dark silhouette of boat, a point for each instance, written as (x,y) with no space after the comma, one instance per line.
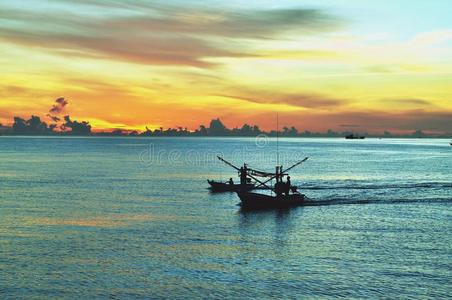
(229,186)
(218,186)
(283,194)
(354,137)
(250,200)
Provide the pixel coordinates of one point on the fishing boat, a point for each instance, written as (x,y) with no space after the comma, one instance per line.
(218,186)
(283,194)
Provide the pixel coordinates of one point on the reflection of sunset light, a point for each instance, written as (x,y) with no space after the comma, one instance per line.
(117,220)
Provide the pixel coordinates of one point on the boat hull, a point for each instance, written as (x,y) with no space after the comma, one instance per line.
(216,186)
(251,200)
(355,137)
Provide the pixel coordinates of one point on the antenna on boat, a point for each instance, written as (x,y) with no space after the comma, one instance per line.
(277,139)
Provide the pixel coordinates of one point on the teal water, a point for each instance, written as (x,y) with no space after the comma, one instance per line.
(131,218)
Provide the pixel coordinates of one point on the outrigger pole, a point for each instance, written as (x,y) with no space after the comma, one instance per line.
(228,163)
(260,182)
(263,183)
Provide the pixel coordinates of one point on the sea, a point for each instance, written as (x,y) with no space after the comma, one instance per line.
(133,218)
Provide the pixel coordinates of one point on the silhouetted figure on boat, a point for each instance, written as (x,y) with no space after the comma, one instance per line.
(288,186)
(231,182)
(282,188)
(243,175)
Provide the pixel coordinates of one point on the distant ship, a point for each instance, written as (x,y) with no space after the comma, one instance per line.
(354,137)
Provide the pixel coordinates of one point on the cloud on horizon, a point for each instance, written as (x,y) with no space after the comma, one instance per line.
(58,106)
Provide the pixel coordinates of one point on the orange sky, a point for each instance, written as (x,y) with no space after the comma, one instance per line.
(340,64)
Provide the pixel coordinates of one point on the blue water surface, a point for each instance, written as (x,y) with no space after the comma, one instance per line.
(132,218)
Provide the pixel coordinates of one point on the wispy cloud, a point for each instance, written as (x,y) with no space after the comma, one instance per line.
(300,100)
(409,102)
(257,24)
(160,35)
(349,125)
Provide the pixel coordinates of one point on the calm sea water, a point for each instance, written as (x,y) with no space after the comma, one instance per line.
(131,218)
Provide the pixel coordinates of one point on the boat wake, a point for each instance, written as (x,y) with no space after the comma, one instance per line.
(363,186)
(339,201)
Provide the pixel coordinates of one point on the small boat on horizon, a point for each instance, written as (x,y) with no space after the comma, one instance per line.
(354,137)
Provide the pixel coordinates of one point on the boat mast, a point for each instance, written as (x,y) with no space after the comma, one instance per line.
(277,148)
(277,139)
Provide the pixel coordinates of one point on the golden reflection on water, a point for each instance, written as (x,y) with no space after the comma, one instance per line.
(116,220)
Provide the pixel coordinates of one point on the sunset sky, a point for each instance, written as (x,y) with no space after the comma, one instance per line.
(339,64)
